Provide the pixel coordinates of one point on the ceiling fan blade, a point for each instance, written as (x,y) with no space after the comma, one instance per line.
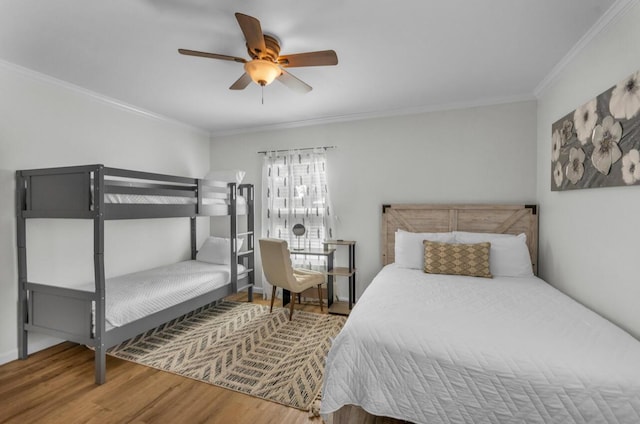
(241,83)
(321,58)
(252,31)
(294,83)
(211,55)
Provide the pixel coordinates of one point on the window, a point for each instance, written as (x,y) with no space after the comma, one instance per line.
(295,191)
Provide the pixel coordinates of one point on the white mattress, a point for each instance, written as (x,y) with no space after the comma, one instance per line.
(449,349)
(219,206)
(133,296)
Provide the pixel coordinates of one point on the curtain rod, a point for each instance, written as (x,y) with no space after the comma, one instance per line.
(264,152)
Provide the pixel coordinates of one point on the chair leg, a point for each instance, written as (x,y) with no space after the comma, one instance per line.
(291,308)
(320,296)
(273,297)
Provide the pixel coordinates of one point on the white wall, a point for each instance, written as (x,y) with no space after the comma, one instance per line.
(46,124)
(589,238)
(484,154)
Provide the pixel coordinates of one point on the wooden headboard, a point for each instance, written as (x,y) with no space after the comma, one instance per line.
(507,219)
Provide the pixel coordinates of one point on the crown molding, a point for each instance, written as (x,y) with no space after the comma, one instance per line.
(117,104)
(376,115)
(29,73)
(609,18)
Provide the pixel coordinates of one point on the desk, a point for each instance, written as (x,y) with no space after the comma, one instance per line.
(286,295)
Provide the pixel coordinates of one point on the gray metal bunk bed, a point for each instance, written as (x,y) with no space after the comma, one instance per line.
(100,193)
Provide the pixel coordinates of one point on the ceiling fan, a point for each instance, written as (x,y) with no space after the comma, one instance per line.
(266,63)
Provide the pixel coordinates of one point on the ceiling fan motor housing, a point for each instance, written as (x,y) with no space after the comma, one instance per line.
(273,49)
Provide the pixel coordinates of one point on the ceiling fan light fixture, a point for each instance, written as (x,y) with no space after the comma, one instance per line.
(261,71)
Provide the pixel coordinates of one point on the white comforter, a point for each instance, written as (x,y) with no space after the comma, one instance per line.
(449,349)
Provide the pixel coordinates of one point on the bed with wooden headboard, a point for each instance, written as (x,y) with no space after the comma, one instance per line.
(436,348)
(481,218)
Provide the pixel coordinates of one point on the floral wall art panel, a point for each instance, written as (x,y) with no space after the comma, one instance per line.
(598,144)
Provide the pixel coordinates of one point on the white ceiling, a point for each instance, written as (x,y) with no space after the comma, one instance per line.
(394,56)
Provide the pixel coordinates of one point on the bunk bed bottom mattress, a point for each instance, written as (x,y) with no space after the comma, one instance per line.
(134,296)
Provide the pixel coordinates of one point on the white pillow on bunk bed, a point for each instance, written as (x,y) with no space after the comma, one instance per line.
(217,250)
(226,176)
(409,250)
(508,256)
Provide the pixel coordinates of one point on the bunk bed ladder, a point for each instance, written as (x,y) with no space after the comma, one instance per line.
(246,257)
(247,191)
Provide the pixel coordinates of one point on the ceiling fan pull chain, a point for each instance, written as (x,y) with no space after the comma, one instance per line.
(262,93)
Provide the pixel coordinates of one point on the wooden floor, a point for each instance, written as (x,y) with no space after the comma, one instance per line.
(56,386)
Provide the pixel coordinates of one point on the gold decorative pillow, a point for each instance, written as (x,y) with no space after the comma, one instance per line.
(457,258)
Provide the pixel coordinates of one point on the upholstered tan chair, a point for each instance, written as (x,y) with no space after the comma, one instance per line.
(276,265)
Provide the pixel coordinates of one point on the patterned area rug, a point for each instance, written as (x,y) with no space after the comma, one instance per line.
(242,347)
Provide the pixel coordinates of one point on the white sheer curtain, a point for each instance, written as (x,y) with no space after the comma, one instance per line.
(295,191)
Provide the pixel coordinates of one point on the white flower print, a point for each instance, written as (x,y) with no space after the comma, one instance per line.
(584,119)
(557,174)
(631,167)
(605,142)
(625,97)
(575,167)
(556,144)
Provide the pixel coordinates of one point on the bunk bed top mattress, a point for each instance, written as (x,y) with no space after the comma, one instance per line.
(442,349)
(134,296)
(220,206)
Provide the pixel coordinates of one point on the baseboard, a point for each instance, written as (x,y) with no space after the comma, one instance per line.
(42,342)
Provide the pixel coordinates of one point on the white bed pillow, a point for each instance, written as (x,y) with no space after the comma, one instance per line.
(509,254)
(409,250)
(217,250)
(227,176)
